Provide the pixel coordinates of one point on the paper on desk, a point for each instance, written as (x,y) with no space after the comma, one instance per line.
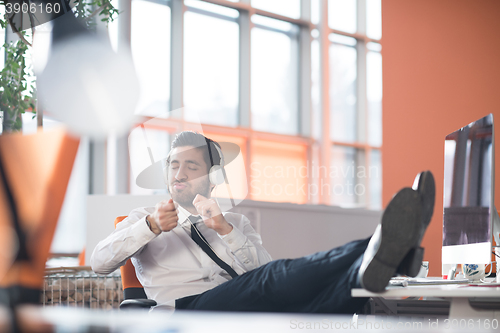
(404,282)
(485,284)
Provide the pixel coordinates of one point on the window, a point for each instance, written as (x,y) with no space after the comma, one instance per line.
(374,93)
(2,38)
(342,15)
(374,19)
(343,89)
(279,172)
(210,59)
(147,146)
(354,105)
(2,58)
(150,42)
(274,78)
(296,84)
(290,8)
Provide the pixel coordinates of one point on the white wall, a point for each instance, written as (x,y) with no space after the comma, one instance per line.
(291,230)
(288,230)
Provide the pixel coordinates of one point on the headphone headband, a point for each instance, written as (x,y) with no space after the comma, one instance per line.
(219,151)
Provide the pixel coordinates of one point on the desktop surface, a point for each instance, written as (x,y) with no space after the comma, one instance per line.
(460,295)
(434,290)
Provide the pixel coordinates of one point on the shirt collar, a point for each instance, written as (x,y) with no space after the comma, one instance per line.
(183,216)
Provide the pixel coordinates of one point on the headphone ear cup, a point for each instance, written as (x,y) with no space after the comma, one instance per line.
(216,175)
(165,175)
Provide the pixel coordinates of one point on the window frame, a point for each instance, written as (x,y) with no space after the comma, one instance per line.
(318,149)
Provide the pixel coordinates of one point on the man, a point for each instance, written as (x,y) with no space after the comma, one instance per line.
(169,264)
(176,271)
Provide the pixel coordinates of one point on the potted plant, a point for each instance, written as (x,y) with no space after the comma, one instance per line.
(17,85)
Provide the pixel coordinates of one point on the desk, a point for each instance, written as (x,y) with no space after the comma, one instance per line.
(459,295)
(64,319)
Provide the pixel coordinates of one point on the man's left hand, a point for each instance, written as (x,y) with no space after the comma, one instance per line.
(212,216)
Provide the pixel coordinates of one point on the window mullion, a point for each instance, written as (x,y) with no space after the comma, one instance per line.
(245,70)
(361,17)
(324,98)
(362,102)
(304,93)
(361,90)
(176,63)
(304,78)
(245,113)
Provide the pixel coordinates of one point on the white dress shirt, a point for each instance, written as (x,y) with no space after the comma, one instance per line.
(171,265)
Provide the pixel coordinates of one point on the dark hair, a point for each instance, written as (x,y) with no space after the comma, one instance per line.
(190,138)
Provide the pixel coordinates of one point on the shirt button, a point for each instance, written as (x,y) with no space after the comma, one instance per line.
(247,261)
(230,242)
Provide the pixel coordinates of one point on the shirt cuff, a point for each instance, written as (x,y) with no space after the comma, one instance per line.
(142,230)
(235,239)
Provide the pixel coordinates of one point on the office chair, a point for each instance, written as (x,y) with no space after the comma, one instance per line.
(133,291)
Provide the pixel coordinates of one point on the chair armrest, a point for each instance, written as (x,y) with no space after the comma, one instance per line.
(138,303)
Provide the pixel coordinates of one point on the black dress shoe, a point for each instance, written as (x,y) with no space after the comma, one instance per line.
(396,235)
(426,187)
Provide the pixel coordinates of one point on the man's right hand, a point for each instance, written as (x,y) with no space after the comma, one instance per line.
(164,218)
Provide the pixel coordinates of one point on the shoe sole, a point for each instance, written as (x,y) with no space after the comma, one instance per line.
(401,224)
(426,187)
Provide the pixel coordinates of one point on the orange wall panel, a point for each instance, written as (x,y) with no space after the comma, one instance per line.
(441,70)
(278,172)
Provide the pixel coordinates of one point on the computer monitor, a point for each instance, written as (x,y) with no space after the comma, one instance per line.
(469,184)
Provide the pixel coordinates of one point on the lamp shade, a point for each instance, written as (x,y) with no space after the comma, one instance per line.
(85,84)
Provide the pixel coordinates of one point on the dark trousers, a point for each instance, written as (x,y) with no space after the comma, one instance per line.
(318,283)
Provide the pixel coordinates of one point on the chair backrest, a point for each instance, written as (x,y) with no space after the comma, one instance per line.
(132,288)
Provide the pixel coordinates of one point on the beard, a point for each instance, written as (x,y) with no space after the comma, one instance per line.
(186,196)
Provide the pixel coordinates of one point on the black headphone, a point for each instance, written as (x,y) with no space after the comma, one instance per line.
(216,174)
